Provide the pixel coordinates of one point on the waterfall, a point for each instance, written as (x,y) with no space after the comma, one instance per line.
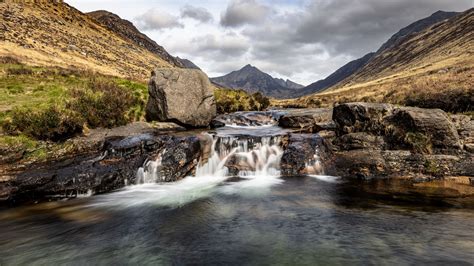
(229,156)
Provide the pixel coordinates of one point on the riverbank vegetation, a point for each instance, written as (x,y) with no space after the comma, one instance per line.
(450,89)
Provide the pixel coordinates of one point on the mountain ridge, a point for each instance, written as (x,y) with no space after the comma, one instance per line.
(355,65)
(252,79)
(57,34)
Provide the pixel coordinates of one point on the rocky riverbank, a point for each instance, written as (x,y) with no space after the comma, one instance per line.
(354,141)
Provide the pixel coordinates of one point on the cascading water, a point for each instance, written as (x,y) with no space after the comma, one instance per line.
(229,156)
(255,156)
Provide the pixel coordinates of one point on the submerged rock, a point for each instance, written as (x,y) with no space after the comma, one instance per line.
(184,96)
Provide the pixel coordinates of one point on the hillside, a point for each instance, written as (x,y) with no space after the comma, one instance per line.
(432,68)
(56,34)
(252,79)
(128,31)
(355,65)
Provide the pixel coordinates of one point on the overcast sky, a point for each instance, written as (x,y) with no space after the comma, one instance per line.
(303,40)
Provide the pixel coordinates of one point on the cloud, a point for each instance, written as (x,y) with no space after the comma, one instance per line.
(364,25)
(241,12)
(155,19)
(197,13)
(224,46)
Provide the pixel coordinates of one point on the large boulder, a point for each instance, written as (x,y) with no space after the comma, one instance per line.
(184,96)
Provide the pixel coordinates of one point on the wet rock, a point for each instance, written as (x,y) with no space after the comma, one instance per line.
(184,96)
(180,158)
(360,140)
(246,119)
(106,163)
(303,154)
(363,164)
(308,120)
(361,117)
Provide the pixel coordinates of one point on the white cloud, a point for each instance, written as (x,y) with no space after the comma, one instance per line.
(155,19)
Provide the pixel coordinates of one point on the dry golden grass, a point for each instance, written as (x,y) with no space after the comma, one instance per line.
(451,89)
(54,34)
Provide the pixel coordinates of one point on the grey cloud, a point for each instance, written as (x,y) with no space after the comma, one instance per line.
(363,26)
(325,34)
(241,12)
(197,13)
(155,19)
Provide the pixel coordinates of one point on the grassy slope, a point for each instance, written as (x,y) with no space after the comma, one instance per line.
(52,34)
(434,68)
(38,88)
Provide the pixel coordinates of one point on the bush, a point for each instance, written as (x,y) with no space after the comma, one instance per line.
(19,71)
(53,123)
(455,100)
(102,103)
(228,101)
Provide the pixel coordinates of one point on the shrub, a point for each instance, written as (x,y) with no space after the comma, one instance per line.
(102,103)
(9,60)
(455,100)
(19,71)
(228,101)
(52,123)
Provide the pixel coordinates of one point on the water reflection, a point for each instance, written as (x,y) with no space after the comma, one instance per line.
(297,221)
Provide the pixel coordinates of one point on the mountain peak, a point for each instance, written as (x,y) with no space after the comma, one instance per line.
(249,66)
(252,79)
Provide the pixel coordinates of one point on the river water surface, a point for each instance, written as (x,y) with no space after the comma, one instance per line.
(258,218)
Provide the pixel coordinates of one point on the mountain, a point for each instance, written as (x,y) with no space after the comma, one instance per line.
(50,33)
(187,63)
(288,83)
(432,68)
(252,80)
(355,65)
(128,31)
(439,46)
(339,75)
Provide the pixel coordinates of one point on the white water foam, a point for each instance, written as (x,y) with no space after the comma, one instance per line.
(259,159)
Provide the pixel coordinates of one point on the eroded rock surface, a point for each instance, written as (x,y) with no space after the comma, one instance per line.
(184,96)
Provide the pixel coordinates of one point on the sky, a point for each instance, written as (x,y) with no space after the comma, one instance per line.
(303,40)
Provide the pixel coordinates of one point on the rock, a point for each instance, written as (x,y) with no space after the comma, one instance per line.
(360,140)
(364,164)
(402,127)
(304,154)
(311,120)
(361,117)
(106,163)
(252,118)
(469,147)
(180,158)
(184,96)
(434,124)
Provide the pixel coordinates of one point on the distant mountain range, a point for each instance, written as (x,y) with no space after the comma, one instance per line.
(355,65)
(252,79)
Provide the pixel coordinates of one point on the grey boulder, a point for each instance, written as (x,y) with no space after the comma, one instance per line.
(183,96)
